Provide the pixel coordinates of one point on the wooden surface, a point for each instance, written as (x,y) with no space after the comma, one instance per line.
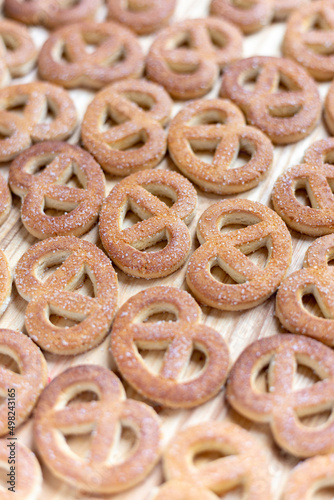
(238,329)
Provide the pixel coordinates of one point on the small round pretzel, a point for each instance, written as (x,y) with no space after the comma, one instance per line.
(5,279)
(283,8)
(218,125)
(181,490)
(286,115)
(35,98)
(28,383)
(190,72)
(309,477)
(101,471)
(248,15)
(65,60)
(58,294)
(329,109)
(169,388)
(5,200)
(142,16)
(316,176)
(282,405)
(229,251)
(121,102)
(49,189)
(245,463)
(159,222)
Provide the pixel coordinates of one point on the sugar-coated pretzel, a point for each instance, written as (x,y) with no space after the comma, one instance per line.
(117,55)
(187,73)
(329,109)
(283,8)
(180,337)
(121,102)
(282,405)
(245,463)
(316,176)
(58,294)
(28,383)
(181,490)
(49,190)
(5,279)
(248,15)
(98,472)
(5,200)
(229,251)
(159,222)
(308,477)
(35,98)
(218,125)
(142,16)
(286,115)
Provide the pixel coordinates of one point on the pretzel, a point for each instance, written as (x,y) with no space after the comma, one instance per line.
(229,251)
(32,126)
(309,477)
(187,73)
(121,102)
(316,176)
(5,277)
(142,16)
(219,126)
(169,388)
(51,13)
(329,109)
(5,200)
(64,59)
(49,189)
(97,473)
(283,8)
(248,15)
(181,490)
(285,116)
(28,474)
(28,383)
(137,193)
(245,463)
(57,294)
(282,405)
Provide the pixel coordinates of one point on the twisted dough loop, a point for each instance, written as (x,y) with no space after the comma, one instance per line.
(309,477)
(248,15)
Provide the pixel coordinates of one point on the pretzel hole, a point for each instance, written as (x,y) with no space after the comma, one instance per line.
(153,358)
(10,42)
(9,362)
(205,457)
(284,111)
(62,322)
(311,305)
(138,6)
(49,264)
(79,443)
(164,193)
(3,477)
(17,107)
(181,40)
(85,286)
(317,420)
(259,257)
(217,38)
(144,101)
(220,275)
(5,132)
(157,317)
(302,197)
(50,112)
(126,443)
(243,4)
(317,23)
(323,492)
(249,79)
(195,366)
(65,4)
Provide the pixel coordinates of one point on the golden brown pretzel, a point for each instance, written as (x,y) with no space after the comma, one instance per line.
(5,200)
(285,115)
(181,490)
(309,477)
(57,293)
(121,102)
(142,16)
(316,176)
(5,281)
(229,251)
(159,222)
(64,60)
(282,405)
(329,109)
(181,337)
(97,473)
(248,15)
(35,98)
(48,189)
(218,125)
(190,72)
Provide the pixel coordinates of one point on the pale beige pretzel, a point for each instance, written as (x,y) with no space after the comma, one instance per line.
(248,15)
(329,109)
(48,189)
(159,222)
(5,200)
(219,126)
(5,280)
(142,16)
(229,251)
(28,474)
(58,294)
(170,387)
(282,406)
(28,383)
(285,114)
(309,477)
(181,490)
(64,59)
(189,72)
(121,102)
(35,99)
(283,8)
(101,471)
(316,176)
(243,462)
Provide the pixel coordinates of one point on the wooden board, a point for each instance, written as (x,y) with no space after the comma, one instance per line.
(238,328)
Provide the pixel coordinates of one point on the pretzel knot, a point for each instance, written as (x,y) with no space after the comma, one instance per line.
(282,406)
(284,102)
(49,190)
(169,388)
(136,193)
(190,72)
(248,15)
(309,477)
(58,294)
(97,472)
(218,125)
(131,125)
(229,251)
(64,58)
